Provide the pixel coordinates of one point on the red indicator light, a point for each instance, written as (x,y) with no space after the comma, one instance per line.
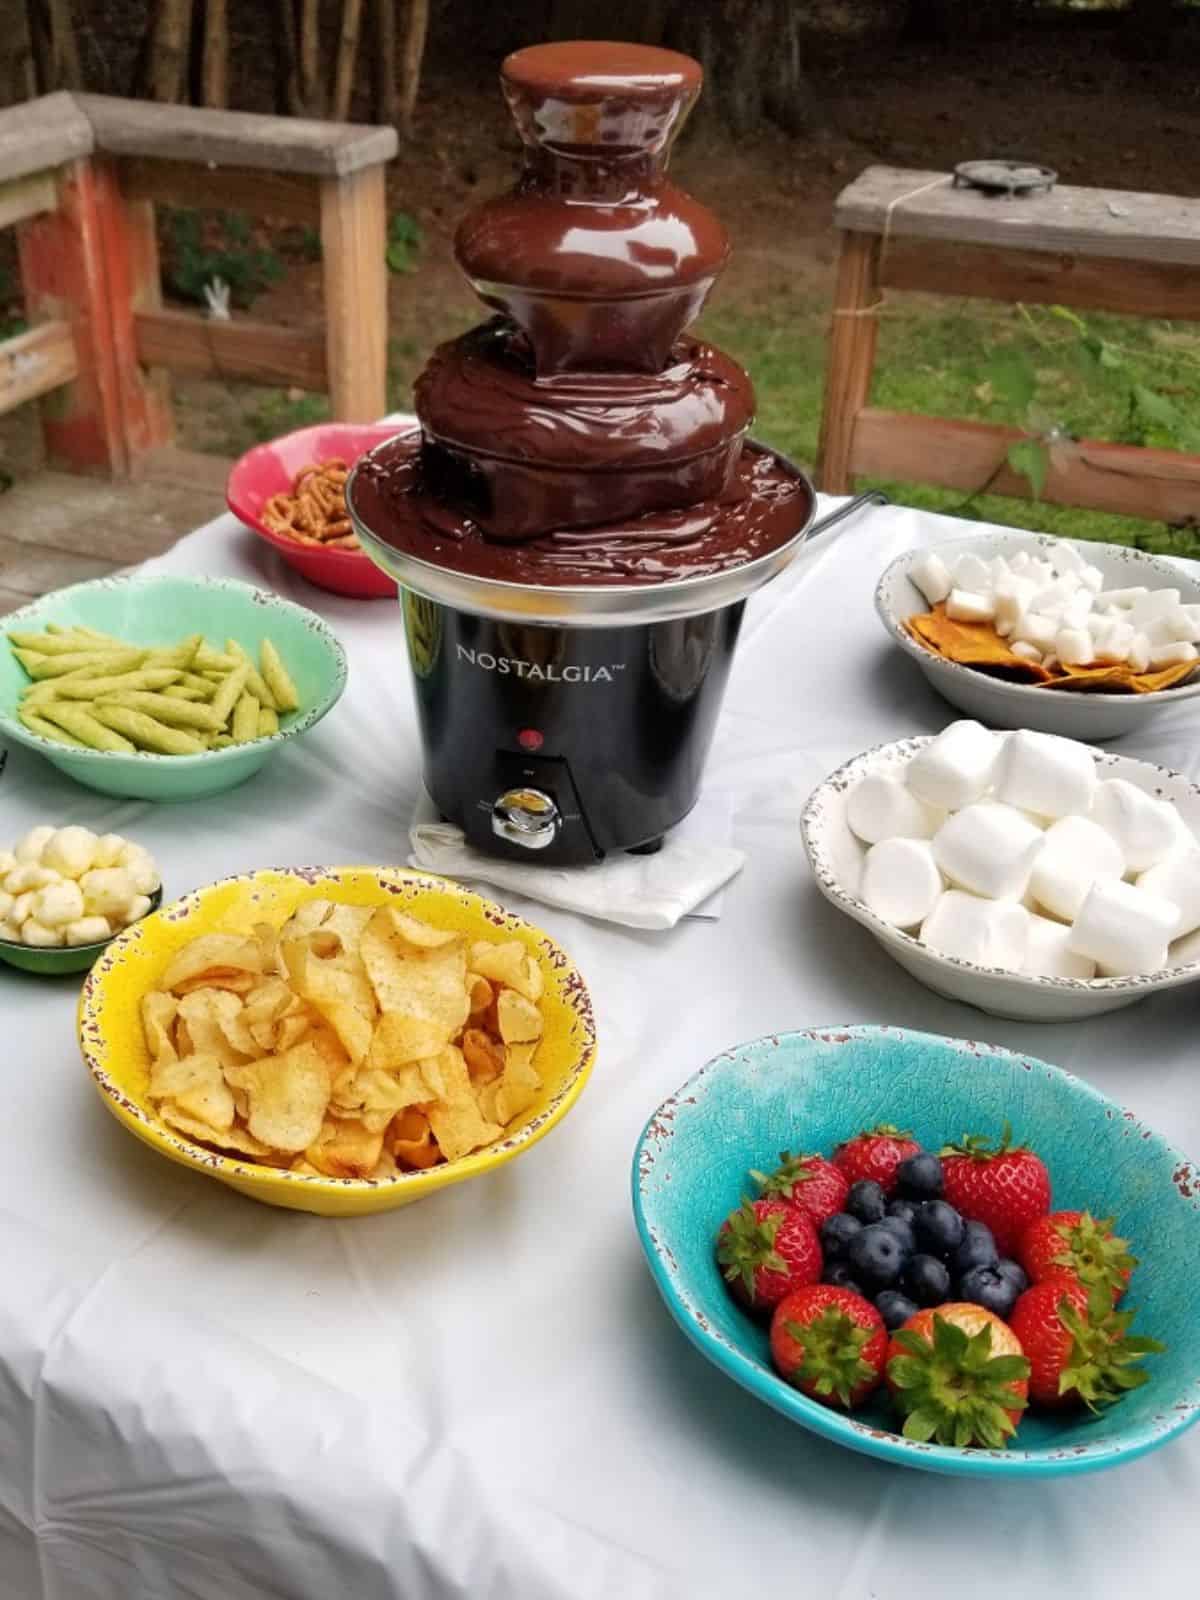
(530,739)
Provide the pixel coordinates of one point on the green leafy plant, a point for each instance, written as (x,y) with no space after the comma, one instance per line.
(404,241)
(197,253)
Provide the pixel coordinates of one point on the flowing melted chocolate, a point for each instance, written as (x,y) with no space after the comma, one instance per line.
(765,505)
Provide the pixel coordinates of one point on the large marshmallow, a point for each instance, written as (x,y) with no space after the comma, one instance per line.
(988,849)
(1177,879)
(1123,929)
(972,572)
(880,808)
(991,933)
(970,605)
(1048,953)
(1046,774)
(900,881)
(1146,829)
(932,577)
(954,768)
(1075,852)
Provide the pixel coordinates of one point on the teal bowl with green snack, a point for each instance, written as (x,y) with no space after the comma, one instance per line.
(163,615)
(58,961)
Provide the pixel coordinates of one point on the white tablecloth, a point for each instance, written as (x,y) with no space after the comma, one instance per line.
(482,1395)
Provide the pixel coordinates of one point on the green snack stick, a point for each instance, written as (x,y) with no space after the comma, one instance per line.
(210,660)
(254,678)
(180,691)
(79,722)
(147,732)
(221,742)
(278,679)
(40,666)
(197,681)
(88,688)
(268,722)
(228,694)
(244,726)
(46,730)
(57,644)
(175,713)
(180,655)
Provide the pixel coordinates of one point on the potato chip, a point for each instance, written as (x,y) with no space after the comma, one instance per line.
(458,1126)
(520,1084)
(206,1012)
(480,994)
(411,1140)
(345,1150)
(290,1030)
(384,1168)
(508,964)
(158,1015)
(399,1039)
(288,1095)
(305,919)
(223,953)
(421,981)
(520,1020)
(269,999)
(344,998)
(484,1057)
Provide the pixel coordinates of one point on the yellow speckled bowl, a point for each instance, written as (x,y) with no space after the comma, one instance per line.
(110,1032)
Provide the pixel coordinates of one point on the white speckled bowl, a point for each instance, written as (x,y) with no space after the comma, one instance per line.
(836,856)
(1026,705)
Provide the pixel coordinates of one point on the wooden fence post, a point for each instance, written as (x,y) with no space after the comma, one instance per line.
(353,243)
(852,337)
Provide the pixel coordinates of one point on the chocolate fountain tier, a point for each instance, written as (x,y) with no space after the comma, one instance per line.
(658,565)
(521,455)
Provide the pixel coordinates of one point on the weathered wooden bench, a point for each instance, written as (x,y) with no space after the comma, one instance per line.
(1092,249)
(80,176)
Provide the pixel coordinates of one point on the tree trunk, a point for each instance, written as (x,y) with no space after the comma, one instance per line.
(288,99)
(347,55)
(17,81)
(1150,29)
(384,62)
(55,45)
(214,64)
(167,57)
(416,28)
(312,90)
(750,52)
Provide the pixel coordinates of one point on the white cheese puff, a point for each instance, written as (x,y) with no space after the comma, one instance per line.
(107,891)
(29,875)
(7,862)
(21,907)
(141,867)
(71,851)
(36,933)
(108,850)
(88,930)
(6,904)
(136,909)
(35,841)
(10,931)
(58,904)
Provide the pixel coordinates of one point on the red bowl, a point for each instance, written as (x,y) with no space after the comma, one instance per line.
(271,469)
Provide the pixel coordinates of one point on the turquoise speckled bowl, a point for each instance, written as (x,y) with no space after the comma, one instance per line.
(808,1091)
(162,610)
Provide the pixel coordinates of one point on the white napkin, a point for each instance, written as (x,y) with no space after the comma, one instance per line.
(651,892)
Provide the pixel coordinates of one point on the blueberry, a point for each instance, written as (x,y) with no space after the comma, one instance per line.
(978,1249)
(876,1255)
(903,1231)
(866,1201)
(920,1177)
(987,1287)
(895,1308)
(926,1280)
(836,1234)
(839,1274)
(905,1210)
(939,1228)
(1013,1273)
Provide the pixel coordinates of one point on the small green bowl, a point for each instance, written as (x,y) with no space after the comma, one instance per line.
(160,610)
(61,959)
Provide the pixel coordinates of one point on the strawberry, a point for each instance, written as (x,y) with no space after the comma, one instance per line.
(830,1344)
(1072,1244)
(959,1376)
(810,1182)
(875,1153)
(1006,1185)
(1078,1348)
(767,1248)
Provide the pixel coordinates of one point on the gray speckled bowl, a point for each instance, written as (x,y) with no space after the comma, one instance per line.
(1025,705)
(835,856)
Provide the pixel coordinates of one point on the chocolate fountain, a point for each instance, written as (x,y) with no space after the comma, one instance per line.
(581,515)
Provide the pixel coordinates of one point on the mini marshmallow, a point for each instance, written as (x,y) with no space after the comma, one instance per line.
(1121,597)
(1053,594)
(1116,643)
(108,850)
(900,881)
(1047,952)
(954,768)
(880,808)
(35,841)
(991,933)
(1000,570)
(1154,606)
(967,605)
(1037,629)
(1075,853)
(988,849)
(1021,562)
(1027,651)
(1074,647)
(972,572)
(58,904)
(1065,558)
(1184,623)
(1044,773)
(1012,599)
(70,851)
(1167,655)
(1139,652)
(1177,879)
(932,577)
(1092,578)
(36,933)
(107,890)
(1123,929)
(1146,829)
(88,930)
